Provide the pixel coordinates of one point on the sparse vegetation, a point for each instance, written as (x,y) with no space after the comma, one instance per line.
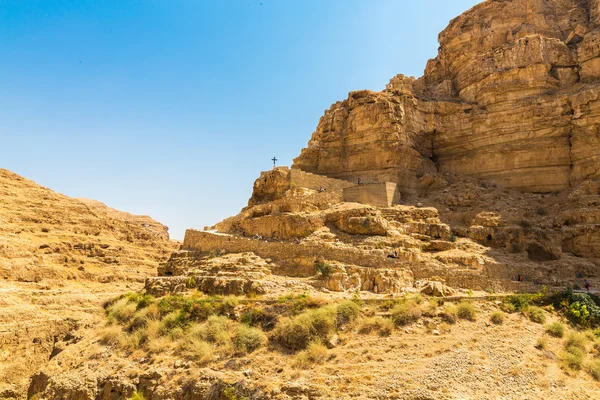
(406,313)
(573,355)
(556,329)
(316,353)
(247,339)
(311,326)
(383,326)
(521,302)
(347,312)
(541,344)
(323,268)
(536,314)
(594,369)
(137,396)
(497,317)
(466,310)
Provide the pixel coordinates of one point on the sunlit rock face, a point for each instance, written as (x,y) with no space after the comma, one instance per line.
(511,98)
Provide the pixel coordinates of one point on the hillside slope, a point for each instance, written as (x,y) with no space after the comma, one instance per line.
(60,258)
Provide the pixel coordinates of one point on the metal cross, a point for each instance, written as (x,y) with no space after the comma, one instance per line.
(274,161)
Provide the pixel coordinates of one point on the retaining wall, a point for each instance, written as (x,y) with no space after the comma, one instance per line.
(291,254)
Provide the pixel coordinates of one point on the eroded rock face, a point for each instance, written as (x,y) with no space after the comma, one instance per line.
(512,98)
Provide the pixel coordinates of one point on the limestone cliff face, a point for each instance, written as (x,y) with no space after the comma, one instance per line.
(512,97)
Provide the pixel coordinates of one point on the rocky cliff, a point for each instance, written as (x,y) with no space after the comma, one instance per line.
(511,98)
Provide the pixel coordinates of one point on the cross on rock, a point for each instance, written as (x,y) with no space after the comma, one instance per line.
(274,159)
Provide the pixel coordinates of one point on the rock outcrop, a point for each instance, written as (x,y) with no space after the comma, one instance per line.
(511,98)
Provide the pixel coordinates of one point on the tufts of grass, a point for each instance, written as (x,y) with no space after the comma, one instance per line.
(214,330)
(199,350)
(316,353)
(594,370)
(406,313)
(576,340)
(122,311)
(556,329)
(536,314)
(465,310)
(573,356)
(109,335)
(541,344)
(497,317)
(131,341)
(383,326)
(248,339)
(448,315)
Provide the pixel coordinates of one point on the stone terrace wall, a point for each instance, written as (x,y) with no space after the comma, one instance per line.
(311,181)
(374,194)
(291,255)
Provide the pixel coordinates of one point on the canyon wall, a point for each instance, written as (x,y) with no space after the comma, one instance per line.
(511,98)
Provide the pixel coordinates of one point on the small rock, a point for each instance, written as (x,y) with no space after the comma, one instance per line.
(436,332)
(333,342)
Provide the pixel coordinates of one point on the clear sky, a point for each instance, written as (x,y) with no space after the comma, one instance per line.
(172,108)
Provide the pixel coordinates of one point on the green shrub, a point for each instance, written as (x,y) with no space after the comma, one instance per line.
(137,396)
(142,300)
(347,312)
(497,318)
(247,339)
(521,302)
(324,269)
(465,310)
(313,325)
(383,326)
(259,317)
(579,313)
(536,314)
(301,302)
(556,329)
(406,313)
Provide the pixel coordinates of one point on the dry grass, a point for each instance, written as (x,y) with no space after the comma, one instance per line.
(466,310)
(382,326)
(316,353)
(406,313)
(497,317)
(556,329)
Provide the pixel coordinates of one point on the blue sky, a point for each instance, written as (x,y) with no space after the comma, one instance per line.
(172,108)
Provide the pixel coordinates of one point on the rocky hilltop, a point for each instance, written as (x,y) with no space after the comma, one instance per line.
(59,259)
(511,98)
